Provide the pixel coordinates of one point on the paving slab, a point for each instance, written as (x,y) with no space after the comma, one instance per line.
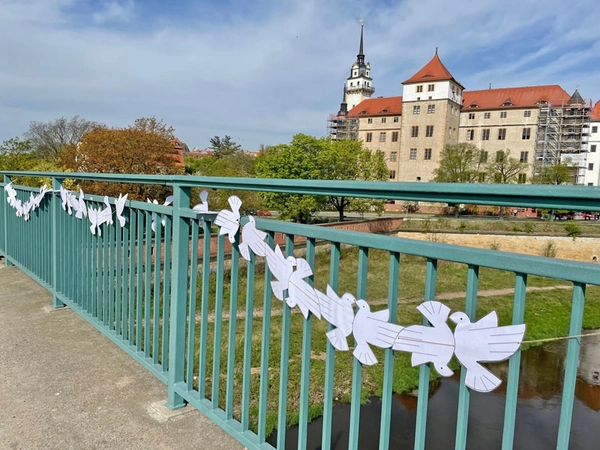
(63,385)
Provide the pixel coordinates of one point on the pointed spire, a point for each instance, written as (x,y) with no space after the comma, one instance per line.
(360,58)
(576,99)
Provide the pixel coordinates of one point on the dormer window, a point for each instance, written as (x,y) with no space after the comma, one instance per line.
(542,102)
(507,102)
(473,105)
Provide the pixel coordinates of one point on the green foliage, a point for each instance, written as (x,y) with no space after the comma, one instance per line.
(561,173)
(311,158)
(15,146)
(460,163)
(572,228)
(528,227)
(549,249)
(505,169)
(224,148)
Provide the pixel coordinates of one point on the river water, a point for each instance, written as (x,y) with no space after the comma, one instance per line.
(538,410)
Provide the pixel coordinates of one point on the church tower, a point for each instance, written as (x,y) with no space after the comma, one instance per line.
(359,85)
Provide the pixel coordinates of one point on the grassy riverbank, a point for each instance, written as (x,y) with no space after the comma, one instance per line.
(547,314)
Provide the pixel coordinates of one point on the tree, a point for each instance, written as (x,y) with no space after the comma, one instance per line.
(50,138)
(505,170)
(224,147)
(460,163)
(15,146)
(561,173)
(311,158)
(347,159)
(145,148)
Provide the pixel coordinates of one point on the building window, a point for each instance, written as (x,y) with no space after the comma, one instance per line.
(483,157)
(524,157)
(394,136)
(522,178)
(393,156)
(413,153)
(503,114)
(370,120)
(427,154)
(369,137)
(396,119)
(430,109)
(431,87)
(392,174)
(486,115)
(416,110)
(485,134)
(419,88)
(500,156)
(383,119)
(526,133)
(429,131)
(593,148)
(526,113)
(382,136)
(591,166)
(594,129)
(414,131)
(470,135)
(471,115)
(501,134)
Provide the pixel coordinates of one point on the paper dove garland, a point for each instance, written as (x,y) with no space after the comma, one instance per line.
(252,239)
(23,209)
(119,207)
(163,218)
(281,268)
(229,221)
(484,341)
(300,293)
(203,206)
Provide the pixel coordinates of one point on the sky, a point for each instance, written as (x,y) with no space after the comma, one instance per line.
(262,71)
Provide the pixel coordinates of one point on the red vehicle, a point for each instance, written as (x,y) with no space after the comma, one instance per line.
(590,216)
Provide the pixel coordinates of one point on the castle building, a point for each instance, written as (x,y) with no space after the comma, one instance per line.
(539,125)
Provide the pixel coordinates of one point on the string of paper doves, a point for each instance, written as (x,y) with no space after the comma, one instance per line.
(471,343)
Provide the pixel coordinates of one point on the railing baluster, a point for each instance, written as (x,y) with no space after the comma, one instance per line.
(248,324)
(191,347)
(119,273)
(148,285)
(166,294)
(306,354)
(132,267)
(233,297)
(216,370)
(204,310)
(464,394)
(264,350)
(285,357)
(125,285)
(388,365)
(334,266)
(571,363)
(512,384)
(361,293)
(181,240)
(56,184)
(156,303)
(139,307)
(112,252)
(421,423)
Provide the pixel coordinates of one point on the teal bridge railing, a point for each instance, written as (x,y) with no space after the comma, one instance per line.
(184,305)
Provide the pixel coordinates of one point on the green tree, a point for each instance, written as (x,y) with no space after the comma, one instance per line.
(48,139)
(224,147)
(561,173)
(460,163)
(505,170)
(15,146)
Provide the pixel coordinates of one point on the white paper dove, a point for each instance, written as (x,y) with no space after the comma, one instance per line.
(81,206)
(433,344)
(252,239)
(163,218)
(300,293)
(64,197)
(119,207)
(203,206)
(339,312)
(281,268)
(11,194)
(229,221)
(484,341)
(93,216)
(105,216)
(372,328)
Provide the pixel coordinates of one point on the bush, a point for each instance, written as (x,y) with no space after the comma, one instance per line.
(572,229)
(528,227)
(549,249)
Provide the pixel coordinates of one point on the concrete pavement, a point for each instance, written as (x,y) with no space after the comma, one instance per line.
(63,385)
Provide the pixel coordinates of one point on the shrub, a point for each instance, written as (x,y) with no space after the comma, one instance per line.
(495,245)
(572,229)
(528,227)
(549,249)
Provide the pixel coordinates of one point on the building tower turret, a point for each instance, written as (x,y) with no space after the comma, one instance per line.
(360,84)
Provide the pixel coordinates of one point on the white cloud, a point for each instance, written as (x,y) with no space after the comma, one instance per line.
(211,72)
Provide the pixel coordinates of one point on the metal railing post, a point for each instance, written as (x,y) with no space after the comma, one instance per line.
(5,209)
(55,211)
(178,307)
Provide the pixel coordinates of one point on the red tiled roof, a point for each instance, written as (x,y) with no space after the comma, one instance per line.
(434,70)
(520,97)
(380,106)
(595,112)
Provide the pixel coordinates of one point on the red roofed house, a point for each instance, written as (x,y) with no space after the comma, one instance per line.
(540,125)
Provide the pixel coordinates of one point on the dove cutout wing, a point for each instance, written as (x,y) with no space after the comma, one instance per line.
(281,268)
(229,221)
(81,207)
(339,312)
(300,293)
(484,341)
(202,207)
(93,216)
(252,239)
(119,207)
(372,328)
(433,344)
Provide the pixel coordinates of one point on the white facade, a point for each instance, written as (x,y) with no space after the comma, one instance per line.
(592,171)
(442,90)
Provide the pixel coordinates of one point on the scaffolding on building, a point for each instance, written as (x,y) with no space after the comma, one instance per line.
(342,127)
(562,136)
